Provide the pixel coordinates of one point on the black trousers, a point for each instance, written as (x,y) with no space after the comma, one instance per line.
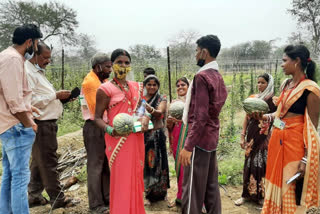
(200,184)
(44,174)
(97,166)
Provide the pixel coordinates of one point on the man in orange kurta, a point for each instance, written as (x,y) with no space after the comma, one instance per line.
(97,164)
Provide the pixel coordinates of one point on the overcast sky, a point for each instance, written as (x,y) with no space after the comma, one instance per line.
(122,23)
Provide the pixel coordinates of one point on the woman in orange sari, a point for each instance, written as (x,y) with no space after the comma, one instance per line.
(125,153)
(294,143)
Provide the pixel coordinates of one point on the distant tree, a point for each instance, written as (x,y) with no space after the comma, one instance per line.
(142,52)
(87,46)
(183,45)
(53,18)
(257,49)
(307,13)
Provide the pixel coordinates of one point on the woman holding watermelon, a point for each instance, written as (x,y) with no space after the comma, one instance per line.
(175,127)
(256,145)
(125,153)
(292,174)
(156,169)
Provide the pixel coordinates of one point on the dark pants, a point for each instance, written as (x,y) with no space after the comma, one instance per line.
(97,166)
(44,174)
(200,184)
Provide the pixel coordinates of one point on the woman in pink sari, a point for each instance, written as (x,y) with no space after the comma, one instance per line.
(125,153)
(177,133)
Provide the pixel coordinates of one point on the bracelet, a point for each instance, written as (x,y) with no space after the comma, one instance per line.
(152,110)
(243,134)
(304,160)
(109,130)
(148,114)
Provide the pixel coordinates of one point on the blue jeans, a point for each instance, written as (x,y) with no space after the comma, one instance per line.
(16,150)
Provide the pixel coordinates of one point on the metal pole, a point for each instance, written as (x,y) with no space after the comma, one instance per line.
(169,73)
(62,73)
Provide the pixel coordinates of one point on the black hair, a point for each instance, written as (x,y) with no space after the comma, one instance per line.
(265,76)
(151,77)
(149,71)
(210,42)
(25,32)
(41,46)
(301,51)
(119,52)
(183,79)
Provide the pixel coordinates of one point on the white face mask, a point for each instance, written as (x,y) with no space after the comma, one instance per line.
(28,56)
(39,68)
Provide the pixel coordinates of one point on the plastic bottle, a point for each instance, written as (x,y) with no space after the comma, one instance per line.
(141,110)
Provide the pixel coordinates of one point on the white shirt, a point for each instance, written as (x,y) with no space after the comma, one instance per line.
(43,93)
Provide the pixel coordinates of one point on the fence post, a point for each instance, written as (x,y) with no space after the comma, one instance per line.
(169,73)
(62,70)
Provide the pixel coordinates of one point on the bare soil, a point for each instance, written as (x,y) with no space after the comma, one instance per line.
(74,141)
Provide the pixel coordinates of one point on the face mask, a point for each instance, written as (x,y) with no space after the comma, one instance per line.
(121,72)
(201,62)
(29,52)
(102,75)
(39,68)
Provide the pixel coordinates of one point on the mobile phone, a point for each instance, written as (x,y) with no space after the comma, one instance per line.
(74,94)
(293,178)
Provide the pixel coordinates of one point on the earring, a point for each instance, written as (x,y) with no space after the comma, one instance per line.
(295,65)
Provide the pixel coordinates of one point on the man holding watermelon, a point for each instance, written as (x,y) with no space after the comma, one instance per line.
(204,101)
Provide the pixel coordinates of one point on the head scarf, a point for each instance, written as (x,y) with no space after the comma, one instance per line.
(269,91)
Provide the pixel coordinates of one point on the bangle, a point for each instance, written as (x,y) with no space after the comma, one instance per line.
(152,110)
(243,134)
(109,130)
(304,160)
(148,115)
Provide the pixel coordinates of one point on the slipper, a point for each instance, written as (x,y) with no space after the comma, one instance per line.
(100,210)
(38,202)
(240,201)
(66,203)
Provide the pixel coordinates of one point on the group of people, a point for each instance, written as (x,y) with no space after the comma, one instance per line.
(281,168)
(122,169)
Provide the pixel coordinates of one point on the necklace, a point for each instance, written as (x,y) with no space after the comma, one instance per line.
(126,93)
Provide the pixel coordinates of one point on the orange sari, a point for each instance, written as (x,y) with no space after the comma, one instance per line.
(125,154)
(286,149)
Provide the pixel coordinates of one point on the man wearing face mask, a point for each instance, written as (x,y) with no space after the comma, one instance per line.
(17,128)
(44,174)
(205,98)
(97,164)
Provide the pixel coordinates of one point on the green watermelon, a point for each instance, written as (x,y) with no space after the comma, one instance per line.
(251,105)
(123,123)
(176,109)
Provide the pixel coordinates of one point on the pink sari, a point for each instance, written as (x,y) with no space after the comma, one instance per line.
(125,154)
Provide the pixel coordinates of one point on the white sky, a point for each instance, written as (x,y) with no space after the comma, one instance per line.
(122,23)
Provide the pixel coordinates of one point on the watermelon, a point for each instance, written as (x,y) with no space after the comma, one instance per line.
(176,109)
(123,123)
(251,105)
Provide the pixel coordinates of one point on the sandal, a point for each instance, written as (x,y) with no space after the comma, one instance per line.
(100,210)
(41,201)
(240,201)
(66,203)
(176,203)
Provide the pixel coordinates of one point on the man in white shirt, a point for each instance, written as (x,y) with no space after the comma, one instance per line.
(44,174)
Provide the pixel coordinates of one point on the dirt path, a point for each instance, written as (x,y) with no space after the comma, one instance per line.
(74,141)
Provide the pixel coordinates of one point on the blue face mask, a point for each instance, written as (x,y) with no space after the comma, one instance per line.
(28,56)
(39,68)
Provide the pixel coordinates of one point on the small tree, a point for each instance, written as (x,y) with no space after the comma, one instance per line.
(53,18)
(307,13)
(241,87)
(251,83)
